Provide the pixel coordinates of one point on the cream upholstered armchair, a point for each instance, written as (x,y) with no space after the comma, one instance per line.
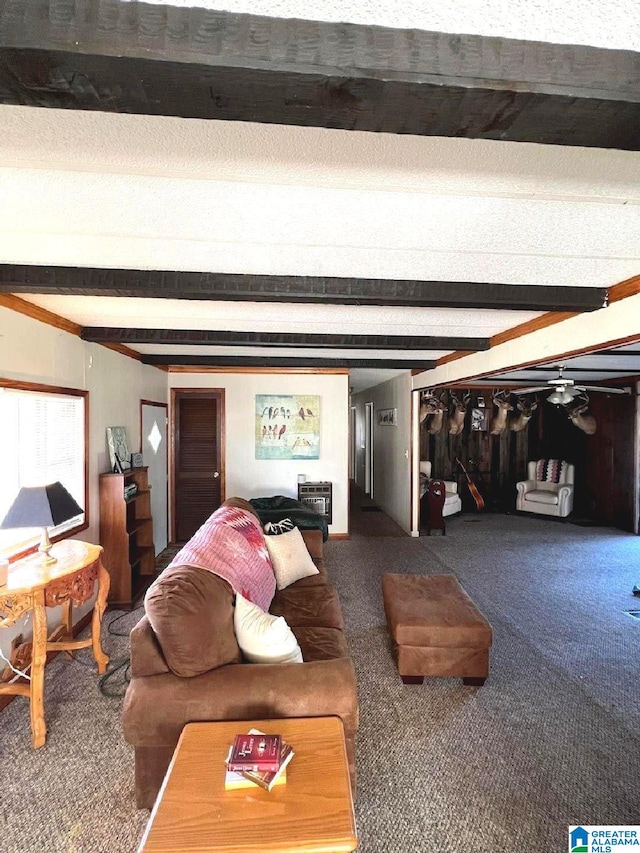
(452,502)
(548,489)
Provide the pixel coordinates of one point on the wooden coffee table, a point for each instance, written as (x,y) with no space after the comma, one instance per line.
(313,812)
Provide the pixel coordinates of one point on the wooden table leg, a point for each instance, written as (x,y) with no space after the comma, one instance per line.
(38,661)
(104,581)
(67,619)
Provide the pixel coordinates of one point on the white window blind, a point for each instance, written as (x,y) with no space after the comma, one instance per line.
(42,441)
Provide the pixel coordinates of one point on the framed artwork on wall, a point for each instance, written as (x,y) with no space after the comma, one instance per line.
(480,419)
(388,417)
(287,426)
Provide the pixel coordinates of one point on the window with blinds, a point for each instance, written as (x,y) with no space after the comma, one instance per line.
(43,440)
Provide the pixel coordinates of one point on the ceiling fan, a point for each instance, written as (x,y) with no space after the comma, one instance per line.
(564,390)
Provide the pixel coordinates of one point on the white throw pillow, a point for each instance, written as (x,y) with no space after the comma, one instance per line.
(289,558)
(264,638)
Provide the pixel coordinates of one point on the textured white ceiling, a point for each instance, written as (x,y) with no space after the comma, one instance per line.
(278,317)
(312,156)
(614,23)
(97,190)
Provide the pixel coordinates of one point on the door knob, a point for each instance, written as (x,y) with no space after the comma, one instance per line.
(216,474)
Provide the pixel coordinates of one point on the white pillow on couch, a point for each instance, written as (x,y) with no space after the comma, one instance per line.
(289,557)
(263,638)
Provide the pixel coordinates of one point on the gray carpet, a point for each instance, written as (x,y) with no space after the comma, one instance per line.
(550,740)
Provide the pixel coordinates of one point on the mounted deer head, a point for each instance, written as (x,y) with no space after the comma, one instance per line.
(526,406)
(576,409)
(499,420)
(432,405)
(459,410)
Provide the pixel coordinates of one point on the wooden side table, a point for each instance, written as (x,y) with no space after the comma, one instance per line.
(311,813)
(32,586)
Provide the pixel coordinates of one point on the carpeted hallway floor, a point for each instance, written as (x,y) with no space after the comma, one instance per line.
(550,740)
(367,519)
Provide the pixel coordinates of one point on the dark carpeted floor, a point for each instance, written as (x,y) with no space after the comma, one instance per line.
(550,740)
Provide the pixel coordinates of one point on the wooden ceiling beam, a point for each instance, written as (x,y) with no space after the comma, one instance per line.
(209,286)
(131,57)
(252,361)
(569,368)
(208,337)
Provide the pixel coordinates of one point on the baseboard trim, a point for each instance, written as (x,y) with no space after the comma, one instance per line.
(80,625)
(338,536)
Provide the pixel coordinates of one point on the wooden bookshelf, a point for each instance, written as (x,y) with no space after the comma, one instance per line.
(126,534)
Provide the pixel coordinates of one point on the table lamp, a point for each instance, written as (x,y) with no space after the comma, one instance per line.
(41,506)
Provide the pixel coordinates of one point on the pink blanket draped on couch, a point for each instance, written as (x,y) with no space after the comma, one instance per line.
(231,544)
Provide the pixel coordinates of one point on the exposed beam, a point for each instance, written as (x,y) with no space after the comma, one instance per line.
(252,361)
(163,284)
(568,368)
(617,353)
(207,337)
(130,57)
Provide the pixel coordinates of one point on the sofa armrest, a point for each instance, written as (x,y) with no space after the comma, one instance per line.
(450,486)
(157,707)
(313,541)
(525,486)
(146,654)
(565,499)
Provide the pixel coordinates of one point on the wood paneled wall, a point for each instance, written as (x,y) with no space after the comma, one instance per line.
(604,462)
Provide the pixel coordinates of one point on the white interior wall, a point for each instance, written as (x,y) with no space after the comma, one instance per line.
(31,351)
(391,447)
(248,477)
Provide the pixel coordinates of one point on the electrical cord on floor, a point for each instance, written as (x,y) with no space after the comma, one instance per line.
(118,618)
(122,666)
(113,669)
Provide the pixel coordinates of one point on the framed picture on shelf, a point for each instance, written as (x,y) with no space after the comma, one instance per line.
(119,453)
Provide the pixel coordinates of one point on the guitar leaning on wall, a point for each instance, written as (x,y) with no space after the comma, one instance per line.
(475,494)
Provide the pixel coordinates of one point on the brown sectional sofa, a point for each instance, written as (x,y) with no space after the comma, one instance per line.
(186,665)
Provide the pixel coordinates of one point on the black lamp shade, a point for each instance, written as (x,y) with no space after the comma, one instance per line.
(41,506)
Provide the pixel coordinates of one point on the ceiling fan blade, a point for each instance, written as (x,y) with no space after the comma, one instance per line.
(603,389)
(532,390)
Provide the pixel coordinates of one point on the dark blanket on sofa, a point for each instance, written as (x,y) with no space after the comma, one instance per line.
(279,507)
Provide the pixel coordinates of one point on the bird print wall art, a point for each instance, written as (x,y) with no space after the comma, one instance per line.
(287,426)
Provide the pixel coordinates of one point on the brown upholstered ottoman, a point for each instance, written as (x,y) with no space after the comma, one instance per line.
(436,627)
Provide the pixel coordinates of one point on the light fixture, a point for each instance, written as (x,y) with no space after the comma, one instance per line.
(560,396)
(41,506)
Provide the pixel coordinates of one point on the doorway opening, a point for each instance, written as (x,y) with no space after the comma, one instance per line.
(368,449)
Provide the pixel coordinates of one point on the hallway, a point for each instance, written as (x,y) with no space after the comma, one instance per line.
(367,520)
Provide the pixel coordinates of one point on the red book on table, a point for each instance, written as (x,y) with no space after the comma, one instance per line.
(258,753)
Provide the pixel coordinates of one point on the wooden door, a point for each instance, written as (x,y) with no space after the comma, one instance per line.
(198,458)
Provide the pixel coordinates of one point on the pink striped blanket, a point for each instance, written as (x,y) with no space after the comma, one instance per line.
(231,544)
